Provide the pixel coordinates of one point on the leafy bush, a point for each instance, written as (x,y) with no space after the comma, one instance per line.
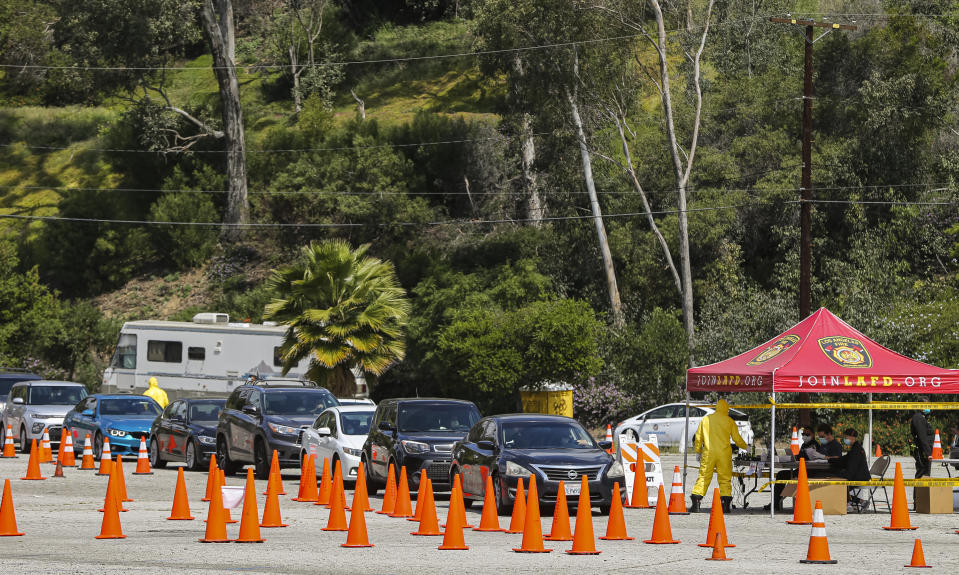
(597,403)
(184,246)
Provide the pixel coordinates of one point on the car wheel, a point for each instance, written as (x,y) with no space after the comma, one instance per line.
(261,463)
(501,505)
(155,460)
(372,487)
(97,446)
(24,446)
(604,509)
(223,458)
(190,457)
(333,461)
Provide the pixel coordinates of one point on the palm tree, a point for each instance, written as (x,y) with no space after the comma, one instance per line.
(344,310)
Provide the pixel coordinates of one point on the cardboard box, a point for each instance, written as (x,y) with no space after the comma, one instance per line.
(937,499)
(833,497)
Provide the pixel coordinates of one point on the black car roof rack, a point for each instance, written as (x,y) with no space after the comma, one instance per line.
(282,383)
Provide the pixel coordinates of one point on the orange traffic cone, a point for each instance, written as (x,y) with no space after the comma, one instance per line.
(113,486)
(58,472)
(794,443)
(918,558)
(818,544)
(87,462)
(110,528)
(143,459)
(212,476)
(360,495)
(899,517)
(878,451)
(66,446)
(181,503)
(662,533)
(9,450)
(559,531)
(33,465)
(63,443)
(936,447)
(403,507)
(271,509)
(46,454)
(455,517)
(639,499)
(337,520)
(490,519)
(616,524)
(121,480)
(719,550)
(220,482)
(338,478)
(215,515)
(518,519)
(583,541)
(677,499)
(389,492)
(357,536)
(532,530)
(420,493)
(717,523)
(609,437)
(308,490)
(802,508)
(249,518)
(429,524)
(275,478)
(8,518)
(456,496)
(326,485)
(106,459)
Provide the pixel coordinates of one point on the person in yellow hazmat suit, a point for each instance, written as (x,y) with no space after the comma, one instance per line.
(714,436)
(156,393)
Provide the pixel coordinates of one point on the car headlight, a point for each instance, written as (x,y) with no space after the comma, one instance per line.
(37,427)
(206,439)
(616,470)
(415,446)
(117,432)
(352,451)
(284,429)
(516,469)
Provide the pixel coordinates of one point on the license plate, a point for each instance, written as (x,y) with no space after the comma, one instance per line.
(572,489)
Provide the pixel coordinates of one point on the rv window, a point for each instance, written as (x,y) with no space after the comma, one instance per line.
(165,351)
(126,354)
(277,357)
(196,352)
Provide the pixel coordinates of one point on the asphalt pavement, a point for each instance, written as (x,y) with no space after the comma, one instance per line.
(60,519)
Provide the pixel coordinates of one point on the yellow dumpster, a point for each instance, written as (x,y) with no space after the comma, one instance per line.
(552,398)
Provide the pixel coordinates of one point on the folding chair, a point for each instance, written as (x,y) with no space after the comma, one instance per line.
(878,471)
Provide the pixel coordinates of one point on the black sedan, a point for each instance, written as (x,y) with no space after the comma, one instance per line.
(185,431)
(550,448)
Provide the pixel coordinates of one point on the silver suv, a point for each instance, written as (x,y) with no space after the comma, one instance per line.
(34,405)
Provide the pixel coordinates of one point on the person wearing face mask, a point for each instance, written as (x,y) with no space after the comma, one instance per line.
(922,438)
(808,442)
(853,466)
(828,445)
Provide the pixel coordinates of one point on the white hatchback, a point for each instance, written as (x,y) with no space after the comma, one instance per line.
(338,434)
(668,423)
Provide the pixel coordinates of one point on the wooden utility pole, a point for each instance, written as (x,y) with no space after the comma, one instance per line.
(805,186)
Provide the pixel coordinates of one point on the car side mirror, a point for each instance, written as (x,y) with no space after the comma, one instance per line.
(18,400)
(251,410)
(606,444)
(87,412)
(385,426)
(486,445)
(324,431)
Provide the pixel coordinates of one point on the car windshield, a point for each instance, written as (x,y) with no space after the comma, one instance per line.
(421,417)
(546,435)
(205,411)
(296,403)
(129,406)
(56,395)
(356,422)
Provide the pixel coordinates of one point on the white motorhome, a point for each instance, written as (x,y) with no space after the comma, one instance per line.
(207,357)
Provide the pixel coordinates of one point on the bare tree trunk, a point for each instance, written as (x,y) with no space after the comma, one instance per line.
(534,204)
(360,105)
(220,35)
(615,303)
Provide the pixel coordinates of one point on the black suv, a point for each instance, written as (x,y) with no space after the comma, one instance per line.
(262,417)
(418,433)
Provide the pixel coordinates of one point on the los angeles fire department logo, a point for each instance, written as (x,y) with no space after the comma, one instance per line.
(777,347)
(845,351)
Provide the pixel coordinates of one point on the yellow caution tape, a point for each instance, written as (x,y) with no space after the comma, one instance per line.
(888,405)
(925,482)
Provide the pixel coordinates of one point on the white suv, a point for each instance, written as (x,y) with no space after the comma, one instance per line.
(35,405)
(667,423)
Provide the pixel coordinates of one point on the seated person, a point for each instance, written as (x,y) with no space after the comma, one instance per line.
(808,442)
(828,445)
(853,466)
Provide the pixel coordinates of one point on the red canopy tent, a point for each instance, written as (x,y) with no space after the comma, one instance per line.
(821,354)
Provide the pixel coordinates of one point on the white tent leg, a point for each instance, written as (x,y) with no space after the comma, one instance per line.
(872,439)
(772,456)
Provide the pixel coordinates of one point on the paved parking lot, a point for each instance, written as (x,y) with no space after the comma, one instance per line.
(60,519)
